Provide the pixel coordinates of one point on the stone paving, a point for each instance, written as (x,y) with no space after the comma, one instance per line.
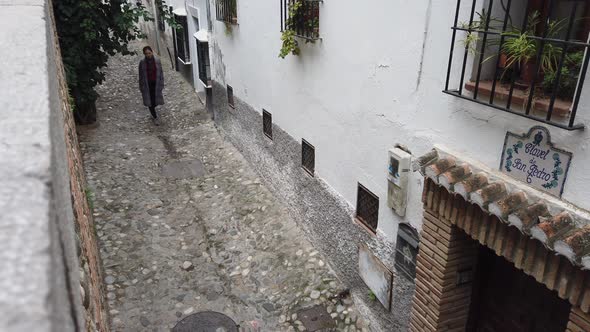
(185,225)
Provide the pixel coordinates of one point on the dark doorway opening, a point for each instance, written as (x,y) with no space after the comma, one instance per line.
(506,299)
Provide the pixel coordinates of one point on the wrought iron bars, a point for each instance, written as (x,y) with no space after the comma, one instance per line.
(518,96)
(301,16)
(204,64)
(227,11)
(308,157)
(181,35)
(267,123)
(367,207)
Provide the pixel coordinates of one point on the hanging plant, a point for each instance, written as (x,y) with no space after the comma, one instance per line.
(302,21)
(290,44)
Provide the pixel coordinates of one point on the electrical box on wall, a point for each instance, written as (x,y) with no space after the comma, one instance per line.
(397,178)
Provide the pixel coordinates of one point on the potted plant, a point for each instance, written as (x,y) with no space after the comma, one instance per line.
(521,50)
(568,79)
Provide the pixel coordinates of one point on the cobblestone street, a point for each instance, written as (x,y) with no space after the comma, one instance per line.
(186,226)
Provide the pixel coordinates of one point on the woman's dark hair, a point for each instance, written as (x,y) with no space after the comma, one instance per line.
(147,48)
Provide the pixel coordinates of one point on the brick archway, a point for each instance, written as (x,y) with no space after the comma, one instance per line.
(447,249)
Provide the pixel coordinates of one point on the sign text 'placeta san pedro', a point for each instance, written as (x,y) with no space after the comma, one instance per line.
(533,159)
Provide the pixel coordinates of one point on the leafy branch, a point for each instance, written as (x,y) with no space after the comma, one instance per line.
(290,44)
(299,17)
(89,33)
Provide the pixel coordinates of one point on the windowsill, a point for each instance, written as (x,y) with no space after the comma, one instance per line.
(308,38)
(561,107)
(308,171)
(184,63)
(369,230)
(228,22)
(205,84)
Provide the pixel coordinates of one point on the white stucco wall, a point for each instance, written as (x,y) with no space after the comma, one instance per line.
(373,81)
(197,14)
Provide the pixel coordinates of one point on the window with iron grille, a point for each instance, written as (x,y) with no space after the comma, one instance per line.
(406,251)
(227,11)
(267,124)
(301,16)
(181,40)
(367,207)
(230,96)
(526,57)
(204,64)
(308,157)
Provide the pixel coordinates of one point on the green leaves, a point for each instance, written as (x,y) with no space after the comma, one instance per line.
(90,32)
(297,16)
(290,45)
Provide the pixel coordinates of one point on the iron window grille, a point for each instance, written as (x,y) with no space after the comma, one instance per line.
(227,11)
(267,123)
(367,208)
(230,96)
(301,16)
(181,42)
(204,65)
(308,157)
(529,58)
(406,251)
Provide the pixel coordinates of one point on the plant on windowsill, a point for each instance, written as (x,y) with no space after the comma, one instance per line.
(472,38)
(297,16)
(521,50)
(228,28)
(568,79)
(233,20)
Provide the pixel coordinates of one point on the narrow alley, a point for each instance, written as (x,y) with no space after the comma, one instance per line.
(185,225)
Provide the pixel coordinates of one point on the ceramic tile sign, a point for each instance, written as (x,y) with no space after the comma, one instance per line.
(532,159)
(377,277)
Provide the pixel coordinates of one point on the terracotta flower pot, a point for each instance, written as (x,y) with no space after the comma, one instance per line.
(503,60)
(527,72)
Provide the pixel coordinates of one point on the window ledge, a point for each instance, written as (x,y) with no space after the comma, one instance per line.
(308,38)
(233,22)
(357,220)
(519,97)
(184,63)
(206,85)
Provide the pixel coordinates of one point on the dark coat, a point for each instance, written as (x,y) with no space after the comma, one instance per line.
(143,83)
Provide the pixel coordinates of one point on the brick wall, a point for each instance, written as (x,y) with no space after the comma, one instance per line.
(450,234)
(91,285)
(440,304)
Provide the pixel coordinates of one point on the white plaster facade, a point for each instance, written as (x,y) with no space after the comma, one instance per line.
(373,80)
(197,20)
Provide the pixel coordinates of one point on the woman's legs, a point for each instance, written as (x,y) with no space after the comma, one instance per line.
(152,86)
(153,112)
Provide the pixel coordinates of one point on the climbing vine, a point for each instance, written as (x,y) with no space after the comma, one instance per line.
(302,17)
(290,44)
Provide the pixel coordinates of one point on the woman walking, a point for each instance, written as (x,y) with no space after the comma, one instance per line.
(151,82)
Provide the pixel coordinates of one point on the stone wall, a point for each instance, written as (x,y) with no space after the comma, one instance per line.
(323,214)
(90,266)
(50,276)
